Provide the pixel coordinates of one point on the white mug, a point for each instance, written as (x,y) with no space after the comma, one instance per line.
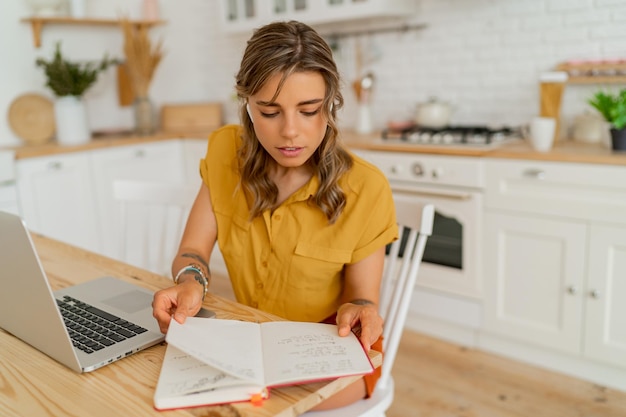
(540,133)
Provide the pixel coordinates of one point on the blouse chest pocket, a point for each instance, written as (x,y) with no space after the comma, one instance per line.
(316,267)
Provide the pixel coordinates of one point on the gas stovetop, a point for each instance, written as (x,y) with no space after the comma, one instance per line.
(477,135)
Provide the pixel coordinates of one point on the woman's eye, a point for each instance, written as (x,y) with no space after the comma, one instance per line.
(269,115)
(311,113)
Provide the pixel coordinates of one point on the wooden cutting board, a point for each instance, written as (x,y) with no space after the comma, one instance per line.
(197,117)
(31,117)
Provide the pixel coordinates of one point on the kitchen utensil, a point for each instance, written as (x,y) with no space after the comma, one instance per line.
(433,113)
(31,117)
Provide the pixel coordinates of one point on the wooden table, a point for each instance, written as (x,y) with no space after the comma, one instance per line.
(32,384)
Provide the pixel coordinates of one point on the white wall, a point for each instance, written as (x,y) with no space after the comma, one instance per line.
(192,70)
(483,56)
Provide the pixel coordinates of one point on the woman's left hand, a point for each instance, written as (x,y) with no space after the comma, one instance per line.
(364,318)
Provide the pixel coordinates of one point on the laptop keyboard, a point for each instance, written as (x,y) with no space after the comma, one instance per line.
(92,329)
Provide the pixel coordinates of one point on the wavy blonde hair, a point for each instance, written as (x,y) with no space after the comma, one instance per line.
(285,48)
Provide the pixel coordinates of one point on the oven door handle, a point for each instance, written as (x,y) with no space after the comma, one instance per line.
(426,192)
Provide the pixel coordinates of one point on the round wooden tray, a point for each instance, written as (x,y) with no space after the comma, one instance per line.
(31,117)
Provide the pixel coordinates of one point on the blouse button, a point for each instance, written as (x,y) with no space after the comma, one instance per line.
(264,264)
(277,217)
(254,304)
(259,285)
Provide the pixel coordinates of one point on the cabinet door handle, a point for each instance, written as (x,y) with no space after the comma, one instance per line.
(572,289)
(534,173)
(427,192)
(55,165)
(594,294)
(140,153)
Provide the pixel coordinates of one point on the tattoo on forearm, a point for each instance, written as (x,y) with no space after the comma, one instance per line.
(196,276)
(362,302)
(198,259)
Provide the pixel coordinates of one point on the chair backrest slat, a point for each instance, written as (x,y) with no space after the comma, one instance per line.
(152,220)
(415,220)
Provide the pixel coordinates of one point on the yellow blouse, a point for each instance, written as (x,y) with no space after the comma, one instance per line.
(290,262)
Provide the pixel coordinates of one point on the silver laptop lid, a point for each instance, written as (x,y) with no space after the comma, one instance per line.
(28,308)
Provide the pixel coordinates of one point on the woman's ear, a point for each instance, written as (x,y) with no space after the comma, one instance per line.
(249,113)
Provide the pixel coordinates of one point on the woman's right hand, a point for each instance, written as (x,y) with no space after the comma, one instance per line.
(180,301)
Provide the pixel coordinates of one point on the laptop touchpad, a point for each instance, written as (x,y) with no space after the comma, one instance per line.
(131,301)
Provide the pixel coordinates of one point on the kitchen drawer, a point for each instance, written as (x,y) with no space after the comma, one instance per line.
(578,191)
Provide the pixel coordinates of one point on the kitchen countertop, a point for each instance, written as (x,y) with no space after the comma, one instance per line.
(53,148)
(563,151)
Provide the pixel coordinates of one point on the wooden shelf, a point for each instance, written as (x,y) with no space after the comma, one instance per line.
(37,24)
(601,72)
(597,79)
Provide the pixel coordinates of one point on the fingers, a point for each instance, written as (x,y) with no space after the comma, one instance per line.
(365,320)
(180,302)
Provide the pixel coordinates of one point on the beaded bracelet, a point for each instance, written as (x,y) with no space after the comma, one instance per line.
(198,272)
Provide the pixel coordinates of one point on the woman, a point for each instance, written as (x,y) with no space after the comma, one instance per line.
(301,223)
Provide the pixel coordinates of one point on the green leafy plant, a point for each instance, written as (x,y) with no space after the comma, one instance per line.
(612,107)
(67,78)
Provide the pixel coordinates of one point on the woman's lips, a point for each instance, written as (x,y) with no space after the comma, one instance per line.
(290,151)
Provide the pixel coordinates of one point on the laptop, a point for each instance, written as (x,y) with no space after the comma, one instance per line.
(107,318)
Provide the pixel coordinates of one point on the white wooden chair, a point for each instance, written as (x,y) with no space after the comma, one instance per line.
(399,278)
(153,217)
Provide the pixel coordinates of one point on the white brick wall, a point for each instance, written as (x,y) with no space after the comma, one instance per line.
(483,56)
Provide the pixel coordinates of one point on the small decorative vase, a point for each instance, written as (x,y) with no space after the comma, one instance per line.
(77,8)
(618,139)
(150,9)
(145,116)
(70,116)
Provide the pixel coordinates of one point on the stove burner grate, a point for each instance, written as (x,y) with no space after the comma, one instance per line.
(452,135)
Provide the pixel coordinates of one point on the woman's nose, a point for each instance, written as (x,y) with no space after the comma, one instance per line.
(289,127)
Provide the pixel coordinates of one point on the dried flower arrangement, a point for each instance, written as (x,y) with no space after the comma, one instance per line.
(141,58)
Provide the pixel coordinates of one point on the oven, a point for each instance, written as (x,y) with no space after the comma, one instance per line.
(449,283)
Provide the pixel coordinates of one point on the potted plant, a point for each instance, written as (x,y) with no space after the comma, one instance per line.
(69,81)
(613,108)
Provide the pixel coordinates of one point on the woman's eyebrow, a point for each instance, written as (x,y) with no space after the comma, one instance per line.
(302,103)
(312,101)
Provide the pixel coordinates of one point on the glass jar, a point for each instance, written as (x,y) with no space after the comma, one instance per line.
(145,116)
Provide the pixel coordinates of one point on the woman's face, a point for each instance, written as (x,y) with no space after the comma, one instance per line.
(292,127)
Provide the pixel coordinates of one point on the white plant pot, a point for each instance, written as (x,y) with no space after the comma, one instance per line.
(71,119)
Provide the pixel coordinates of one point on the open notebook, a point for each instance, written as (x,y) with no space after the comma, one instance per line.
(223,361)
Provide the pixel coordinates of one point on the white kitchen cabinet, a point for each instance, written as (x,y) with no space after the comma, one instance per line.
(155,161)
(246,15)
(57,198)
(8,189)
(193,151)
(563,190)
(605,292)
(534,271)
(555,258)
